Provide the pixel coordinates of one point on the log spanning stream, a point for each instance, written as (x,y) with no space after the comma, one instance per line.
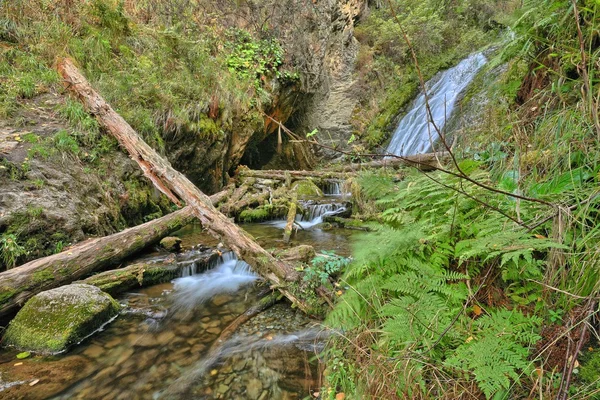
(159,346)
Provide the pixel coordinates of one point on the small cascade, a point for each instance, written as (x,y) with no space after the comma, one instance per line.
(415,134)
(332,188)
(314,212)
(193,262)
(229,275)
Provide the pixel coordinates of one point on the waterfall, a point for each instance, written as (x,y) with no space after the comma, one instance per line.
(314,212)
(415,134)
(229,275)
(332,188)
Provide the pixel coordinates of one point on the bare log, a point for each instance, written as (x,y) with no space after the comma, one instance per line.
(17,285)
(177,186)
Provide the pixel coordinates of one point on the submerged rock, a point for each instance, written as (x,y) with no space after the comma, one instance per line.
(52,321)
(171,243)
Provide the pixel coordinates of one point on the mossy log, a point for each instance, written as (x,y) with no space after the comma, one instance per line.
(17,285)
(179,188)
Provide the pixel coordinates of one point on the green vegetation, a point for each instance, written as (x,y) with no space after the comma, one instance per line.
(441,33)
(466,292)
(324,267)
(10,250)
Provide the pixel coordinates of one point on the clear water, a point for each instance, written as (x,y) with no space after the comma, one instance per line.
(415,134)
(158,348)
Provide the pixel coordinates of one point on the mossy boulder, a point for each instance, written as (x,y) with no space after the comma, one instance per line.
(52,321)
(307,188)
(171,243)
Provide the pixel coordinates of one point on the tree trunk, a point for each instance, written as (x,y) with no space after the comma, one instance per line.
(177,186)
(17,285)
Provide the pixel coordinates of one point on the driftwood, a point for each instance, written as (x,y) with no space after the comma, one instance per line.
(177,187)
(17,285)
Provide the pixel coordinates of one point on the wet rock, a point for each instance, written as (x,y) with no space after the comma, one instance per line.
(171,243)
(165,337)
(222,389)
(52,321)
(221,299)
(94,351)
(254,389)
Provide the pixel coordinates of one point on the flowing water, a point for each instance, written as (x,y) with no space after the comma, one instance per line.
(158,348)
(415,134)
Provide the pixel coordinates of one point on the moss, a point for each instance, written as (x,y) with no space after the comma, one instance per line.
(42,276)
(257,214)
(52,321)
(307,188)
(6,294)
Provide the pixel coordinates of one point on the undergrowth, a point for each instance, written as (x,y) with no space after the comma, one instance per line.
(470,293)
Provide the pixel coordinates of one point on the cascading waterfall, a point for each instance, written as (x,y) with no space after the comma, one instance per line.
(229,275)
(415,134)
(332,188)
(314,212)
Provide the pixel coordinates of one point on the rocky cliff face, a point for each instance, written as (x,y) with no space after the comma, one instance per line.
(319,43)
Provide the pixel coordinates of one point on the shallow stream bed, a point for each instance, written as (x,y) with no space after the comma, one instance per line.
(157,348)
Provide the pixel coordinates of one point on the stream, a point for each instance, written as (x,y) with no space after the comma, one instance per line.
(158,346)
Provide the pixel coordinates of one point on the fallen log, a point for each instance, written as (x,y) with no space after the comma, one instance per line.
(289,176)
(17,285)
(425,162)
(144,274)
(177,186)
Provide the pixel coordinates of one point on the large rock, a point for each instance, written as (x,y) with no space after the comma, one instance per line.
(56,319)
(171,243)
(307,188)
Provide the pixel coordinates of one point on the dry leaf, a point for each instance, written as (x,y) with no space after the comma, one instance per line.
(34,382)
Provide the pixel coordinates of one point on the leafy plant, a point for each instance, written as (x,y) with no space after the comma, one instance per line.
(323,267)
(10,250)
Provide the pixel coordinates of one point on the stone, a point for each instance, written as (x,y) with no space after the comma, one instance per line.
(254,389)
(53,320)
(171,243)
(307,188)
(221,299)
(94,351)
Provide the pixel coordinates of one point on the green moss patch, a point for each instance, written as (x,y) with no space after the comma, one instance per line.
(53,320)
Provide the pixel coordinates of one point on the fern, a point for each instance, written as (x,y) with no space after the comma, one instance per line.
(497,351)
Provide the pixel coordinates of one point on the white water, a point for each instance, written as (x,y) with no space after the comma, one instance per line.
(313,215)
(415,134)
(228,276)
(332,189)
